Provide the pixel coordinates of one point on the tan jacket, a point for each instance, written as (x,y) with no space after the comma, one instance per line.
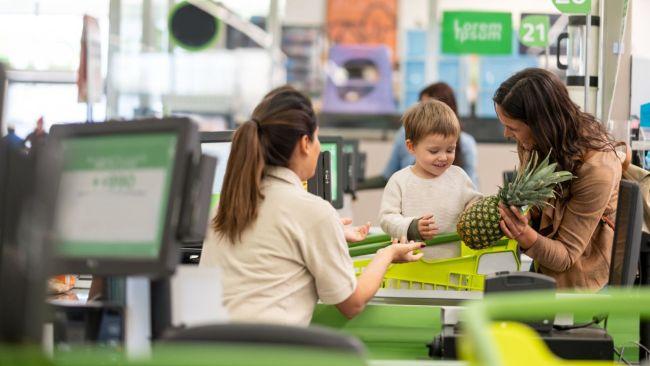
(575,243)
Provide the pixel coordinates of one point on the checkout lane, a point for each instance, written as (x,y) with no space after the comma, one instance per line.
(402,332)
(397,333)
(398,323)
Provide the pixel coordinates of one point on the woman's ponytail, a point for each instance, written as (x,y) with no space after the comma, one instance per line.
(241,192)
(281,119)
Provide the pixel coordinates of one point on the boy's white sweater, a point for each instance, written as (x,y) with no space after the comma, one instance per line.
(408,196)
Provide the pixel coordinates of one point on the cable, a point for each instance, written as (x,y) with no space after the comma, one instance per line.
(575,326)
(647,351)
(595,320)
(620,355)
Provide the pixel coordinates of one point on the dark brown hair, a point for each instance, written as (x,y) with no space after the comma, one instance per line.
(281,119)
(539,99)
(443,92)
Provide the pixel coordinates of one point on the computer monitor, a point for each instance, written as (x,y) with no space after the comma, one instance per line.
(624,264)
(217,144)
(334,145)
(361,169)
(351,166)
(121,195)
(321,183)
(3,90)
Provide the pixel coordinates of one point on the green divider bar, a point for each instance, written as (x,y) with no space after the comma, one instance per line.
(371,239)
(373,247)
(532,304)
(169,354)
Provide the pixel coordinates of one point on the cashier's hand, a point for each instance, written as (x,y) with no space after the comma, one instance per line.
(354,234)
(427,227)
(402,251)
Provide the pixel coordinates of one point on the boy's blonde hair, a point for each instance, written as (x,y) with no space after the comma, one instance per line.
(430,117)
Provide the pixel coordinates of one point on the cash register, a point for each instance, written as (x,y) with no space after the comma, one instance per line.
(130,182)
(129,193)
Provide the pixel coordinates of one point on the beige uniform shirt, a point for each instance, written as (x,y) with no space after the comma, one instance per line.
(293,254)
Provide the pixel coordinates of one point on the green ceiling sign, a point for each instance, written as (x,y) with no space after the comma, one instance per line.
(483,33)
(573,6)
(192,28)
(533,30)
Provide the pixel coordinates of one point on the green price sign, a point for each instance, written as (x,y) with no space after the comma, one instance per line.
(484,33)
(573,6)
(533,30)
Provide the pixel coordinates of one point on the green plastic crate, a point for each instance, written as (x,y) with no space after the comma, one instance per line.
(460,273)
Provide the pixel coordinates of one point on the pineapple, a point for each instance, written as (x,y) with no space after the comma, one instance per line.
(478,226)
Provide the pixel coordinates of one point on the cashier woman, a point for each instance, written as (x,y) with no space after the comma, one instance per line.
(281,249)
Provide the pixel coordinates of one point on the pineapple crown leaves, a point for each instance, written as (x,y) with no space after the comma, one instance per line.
(535,184)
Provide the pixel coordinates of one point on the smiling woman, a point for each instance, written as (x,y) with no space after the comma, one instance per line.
(515,129)
(569,239)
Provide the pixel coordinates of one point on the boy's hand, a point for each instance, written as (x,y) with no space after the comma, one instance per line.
(427,227)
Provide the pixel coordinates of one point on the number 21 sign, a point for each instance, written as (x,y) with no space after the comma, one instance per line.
(533,30)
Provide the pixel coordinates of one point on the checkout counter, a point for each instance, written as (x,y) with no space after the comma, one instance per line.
(158,166)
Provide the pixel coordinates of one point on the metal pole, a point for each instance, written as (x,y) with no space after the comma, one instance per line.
(433,43)
(546,52)
(172,63)
(89,112)
(148,45)
(112,95)
(274,28)
(601,64)
(587,75)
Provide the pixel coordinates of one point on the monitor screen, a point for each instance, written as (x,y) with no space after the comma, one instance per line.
(218,145)
(350,170)
(627,235)
(114,194)
(3,89)
(349,147)
(221,151)
(335,161)
(334,145)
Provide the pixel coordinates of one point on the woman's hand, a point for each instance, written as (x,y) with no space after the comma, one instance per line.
(515,226)
(402,251)
(354,234)
(372,277)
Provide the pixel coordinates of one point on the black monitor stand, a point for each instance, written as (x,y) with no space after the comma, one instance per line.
(644,280)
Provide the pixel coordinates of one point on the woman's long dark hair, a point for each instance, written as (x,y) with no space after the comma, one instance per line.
(281,119)
(539,99)
(444,93)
